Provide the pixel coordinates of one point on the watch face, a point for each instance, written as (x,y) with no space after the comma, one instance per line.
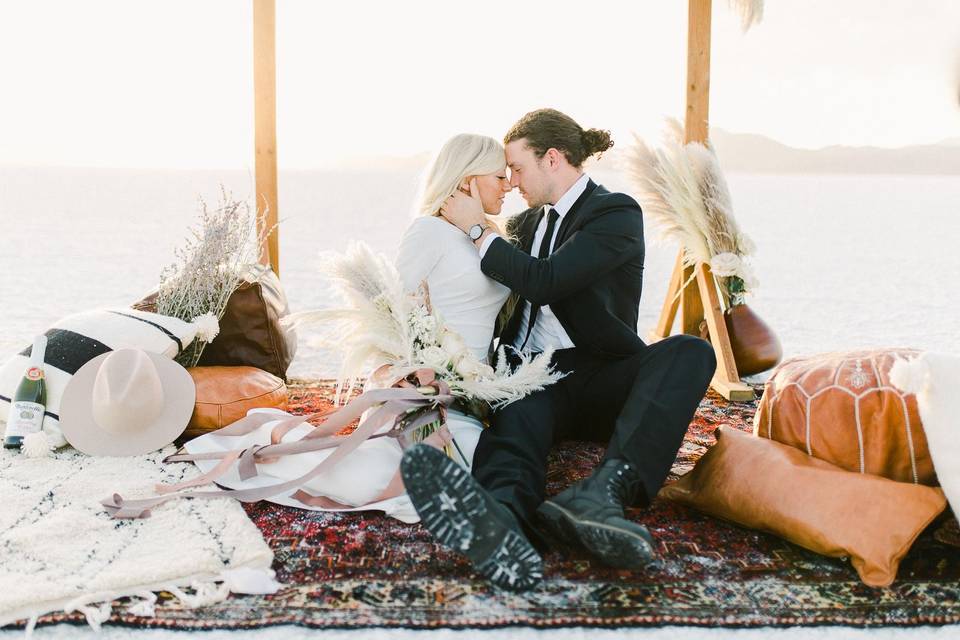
(476,231)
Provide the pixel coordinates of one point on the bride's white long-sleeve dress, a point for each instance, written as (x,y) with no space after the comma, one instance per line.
(468,301)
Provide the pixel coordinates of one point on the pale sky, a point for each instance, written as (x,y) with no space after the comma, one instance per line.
(168,83)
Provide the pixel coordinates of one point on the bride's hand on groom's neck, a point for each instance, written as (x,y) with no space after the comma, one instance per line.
(464,210)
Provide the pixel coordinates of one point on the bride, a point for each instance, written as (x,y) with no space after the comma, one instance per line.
(431,251)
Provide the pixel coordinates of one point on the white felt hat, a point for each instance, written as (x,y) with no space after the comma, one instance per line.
(126,402)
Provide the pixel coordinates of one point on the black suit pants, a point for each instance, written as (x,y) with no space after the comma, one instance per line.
(640,405)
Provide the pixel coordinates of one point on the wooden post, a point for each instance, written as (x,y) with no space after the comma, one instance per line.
(697,115)
(669,311)
(696,127)
(265,126)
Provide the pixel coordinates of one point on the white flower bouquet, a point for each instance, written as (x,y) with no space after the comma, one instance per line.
(381,325)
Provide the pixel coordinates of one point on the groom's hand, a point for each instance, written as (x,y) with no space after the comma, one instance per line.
(462,210)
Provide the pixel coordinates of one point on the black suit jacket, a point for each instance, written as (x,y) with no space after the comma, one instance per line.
(592,280)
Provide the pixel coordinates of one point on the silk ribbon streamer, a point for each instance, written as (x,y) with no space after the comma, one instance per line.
(396,403)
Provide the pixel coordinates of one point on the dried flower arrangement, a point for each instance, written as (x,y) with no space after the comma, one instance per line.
(682,187)
(381,324)
(209,267)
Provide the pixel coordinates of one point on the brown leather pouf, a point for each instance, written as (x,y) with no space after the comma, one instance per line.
(225,394)
(841,407)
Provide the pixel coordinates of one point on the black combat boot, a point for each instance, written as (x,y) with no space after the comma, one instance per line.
(464,517)
(590,514)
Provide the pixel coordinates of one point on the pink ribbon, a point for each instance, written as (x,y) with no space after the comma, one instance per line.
(396,403)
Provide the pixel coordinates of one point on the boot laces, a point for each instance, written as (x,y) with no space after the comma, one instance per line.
(623,484)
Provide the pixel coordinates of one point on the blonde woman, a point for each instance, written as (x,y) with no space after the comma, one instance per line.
(432,251)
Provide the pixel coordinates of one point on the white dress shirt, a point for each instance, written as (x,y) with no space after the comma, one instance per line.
(547,331)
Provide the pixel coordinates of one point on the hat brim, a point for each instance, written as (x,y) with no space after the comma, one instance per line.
(84,434)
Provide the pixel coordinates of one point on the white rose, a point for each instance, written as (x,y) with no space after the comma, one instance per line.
(726,264)
(485,371)
(435,358)
(467,367)
(470,368)
(452,344)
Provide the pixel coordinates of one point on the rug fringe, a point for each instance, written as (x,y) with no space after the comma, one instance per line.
(97,608)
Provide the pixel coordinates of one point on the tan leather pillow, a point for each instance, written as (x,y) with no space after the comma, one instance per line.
(225,394)
(841,407)
(765,485)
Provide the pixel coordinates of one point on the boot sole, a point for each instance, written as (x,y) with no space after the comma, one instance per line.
(611,545)
(454,510)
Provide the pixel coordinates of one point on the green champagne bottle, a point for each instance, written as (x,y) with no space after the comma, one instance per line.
(29,401)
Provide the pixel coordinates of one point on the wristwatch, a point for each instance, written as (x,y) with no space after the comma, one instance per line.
(476,231)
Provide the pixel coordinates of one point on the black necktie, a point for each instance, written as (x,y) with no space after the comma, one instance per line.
(543,252)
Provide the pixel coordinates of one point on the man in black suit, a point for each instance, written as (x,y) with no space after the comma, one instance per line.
(575,260)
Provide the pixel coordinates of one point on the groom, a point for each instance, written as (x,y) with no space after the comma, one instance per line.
(575,259)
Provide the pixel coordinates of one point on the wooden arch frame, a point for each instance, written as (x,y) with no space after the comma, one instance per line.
(695,303)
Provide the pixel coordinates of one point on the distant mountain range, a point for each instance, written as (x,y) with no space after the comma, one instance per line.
(752,153)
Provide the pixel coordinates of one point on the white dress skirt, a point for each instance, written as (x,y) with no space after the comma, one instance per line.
(356,480)
(431,250)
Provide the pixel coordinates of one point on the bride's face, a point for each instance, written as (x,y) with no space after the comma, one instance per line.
(493,187)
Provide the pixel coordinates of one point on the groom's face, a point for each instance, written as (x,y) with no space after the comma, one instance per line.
(527,173)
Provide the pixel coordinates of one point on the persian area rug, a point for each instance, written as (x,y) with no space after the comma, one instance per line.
(364,570)
(60,550)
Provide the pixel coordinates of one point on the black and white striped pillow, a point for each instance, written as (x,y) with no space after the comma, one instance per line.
(75,340)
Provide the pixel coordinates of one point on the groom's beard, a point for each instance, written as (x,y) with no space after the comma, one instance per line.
(537,199)
(533,202)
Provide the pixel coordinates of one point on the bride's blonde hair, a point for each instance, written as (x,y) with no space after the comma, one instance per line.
(466,154)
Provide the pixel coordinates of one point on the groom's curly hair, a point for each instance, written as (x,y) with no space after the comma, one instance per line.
(545,129)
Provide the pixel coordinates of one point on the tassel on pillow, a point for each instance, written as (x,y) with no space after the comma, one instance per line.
(208,327)
(36,445)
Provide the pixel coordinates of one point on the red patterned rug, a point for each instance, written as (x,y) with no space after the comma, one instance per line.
(364,570)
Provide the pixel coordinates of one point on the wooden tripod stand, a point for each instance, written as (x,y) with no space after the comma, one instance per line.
(693,291)
(695,286)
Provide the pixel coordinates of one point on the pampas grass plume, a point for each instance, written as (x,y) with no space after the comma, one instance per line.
(750,11)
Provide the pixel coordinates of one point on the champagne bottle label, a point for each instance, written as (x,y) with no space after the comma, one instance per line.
(34,373)
(25,418)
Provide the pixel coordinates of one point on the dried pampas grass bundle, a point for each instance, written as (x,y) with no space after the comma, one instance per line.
(750,12)
(372,325)
(682,188)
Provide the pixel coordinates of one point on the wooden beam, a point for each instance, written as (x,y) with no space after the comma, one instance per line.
(697,116)
(669,311)
(726,380)
(691,308)
(726,366)
(265,125)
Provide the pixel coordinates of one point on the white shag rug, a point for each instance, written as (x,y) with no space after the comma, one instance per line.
(60,550)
